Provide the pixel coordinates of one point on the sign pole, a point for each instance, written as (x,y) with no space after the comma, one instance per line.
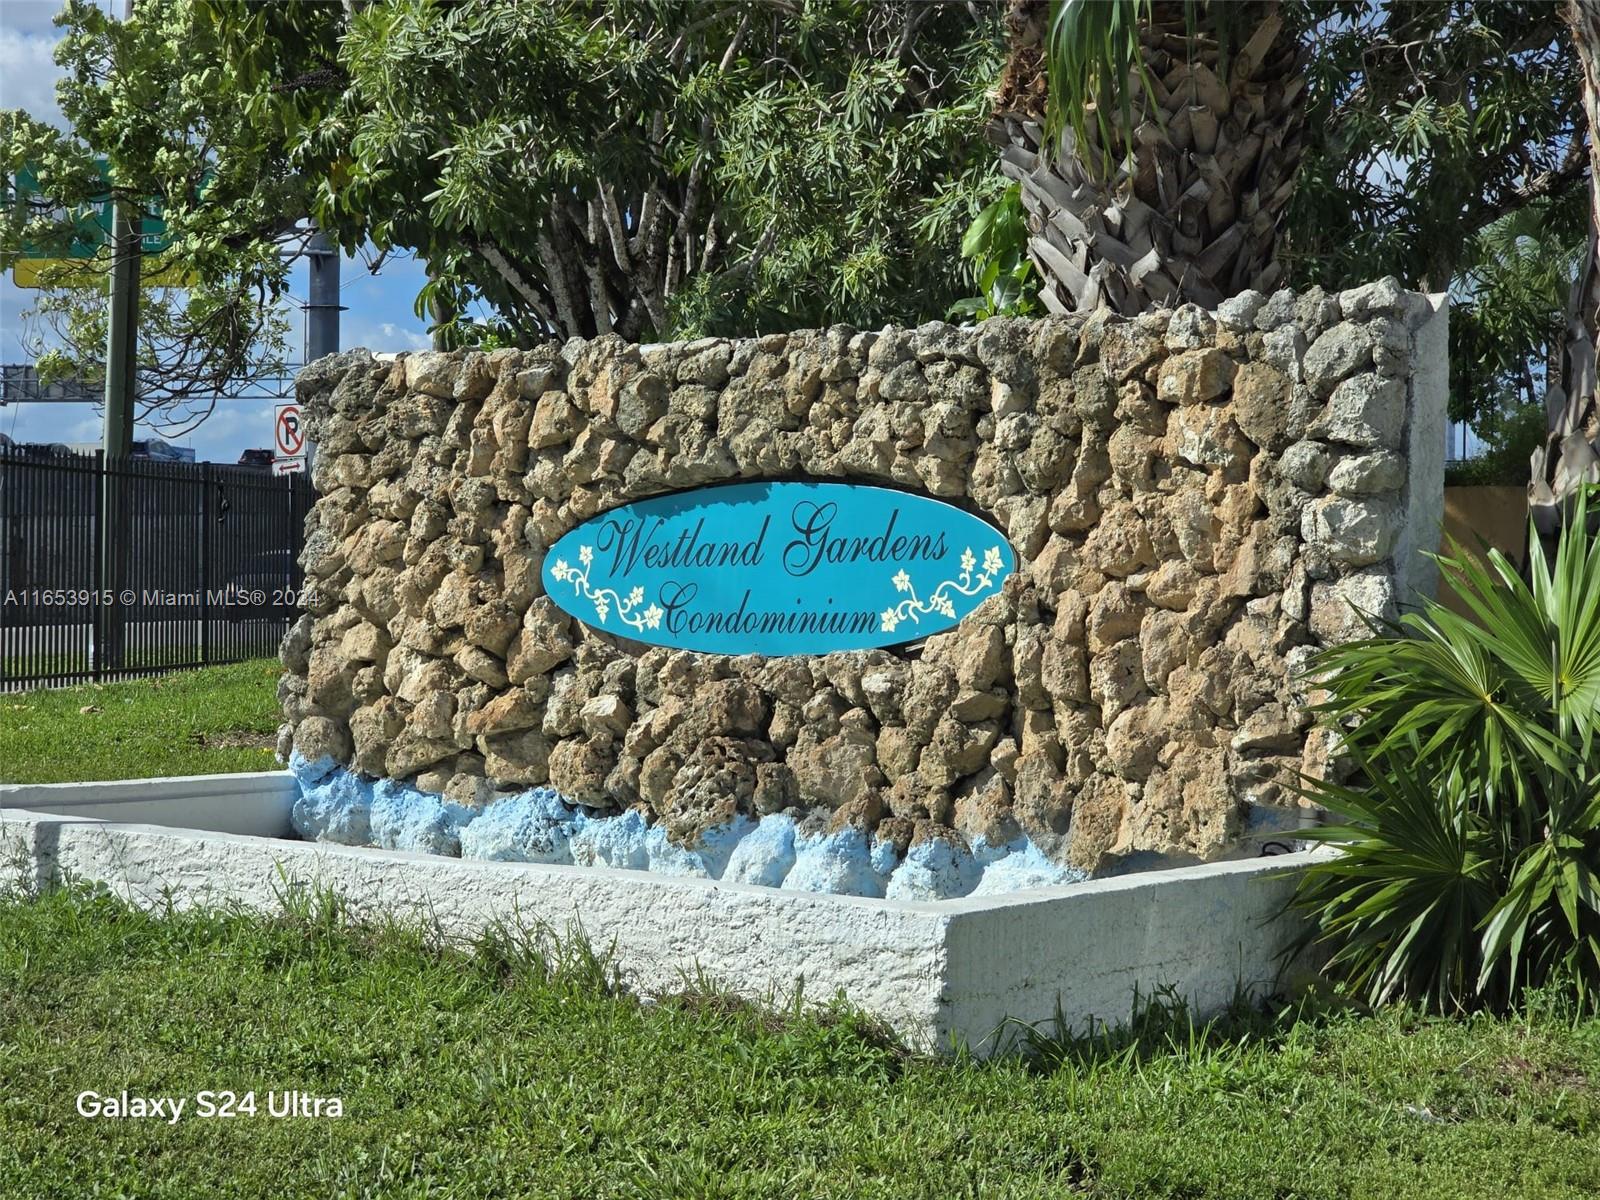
(122,318)
(122,331)
(122,368)
(289,443)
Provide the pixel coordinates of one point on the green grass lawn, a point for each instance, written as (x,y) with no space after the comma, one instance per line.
(502,1073)
(186,723)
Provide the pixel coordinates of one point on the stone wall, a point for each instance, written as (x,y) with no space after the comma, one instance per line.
(1197,501)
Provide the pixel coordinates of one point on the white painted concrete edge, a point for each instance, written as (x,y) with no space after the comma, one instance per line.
(937,973)
(249,802)
(1085,954)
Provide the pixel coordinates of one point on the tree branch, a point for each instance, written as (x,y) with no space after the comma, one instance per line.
(555,273)
(496,258)
(1515,197)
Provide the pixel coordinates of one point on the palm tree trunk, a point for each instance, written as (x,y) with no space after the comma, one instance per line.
(1192,214)
(1570,455)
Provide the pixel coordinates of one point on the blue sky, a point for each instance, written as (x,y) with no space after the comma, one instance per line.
(378,316)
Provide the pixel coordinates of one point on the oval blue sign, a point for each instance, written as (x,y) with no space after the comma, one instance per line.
(778,568)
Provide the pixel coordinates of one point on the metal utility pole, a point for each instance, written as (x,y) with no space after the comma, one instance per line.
(322,304)
(122,325)
(122,329)
(322,308)
(116,441)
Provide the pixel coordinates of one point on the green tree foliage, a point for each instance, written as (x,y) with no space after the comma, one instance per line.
(1430,121)
(652,168)
(1447,147)
(665,168)
(154,97)
(996,249)
(1513,284)
(860,170)
(186,357)
(1471,864)
(1508,324)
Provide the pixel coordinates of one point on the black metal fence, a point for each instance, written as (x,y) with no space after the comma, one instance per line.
(202,565)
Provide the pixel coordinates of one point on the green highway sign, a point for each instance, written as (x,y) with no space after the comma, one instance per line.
(85,259)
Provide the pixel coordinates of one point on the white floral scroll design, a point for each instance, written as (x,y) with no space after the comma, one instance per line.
(912,608)
(607,599)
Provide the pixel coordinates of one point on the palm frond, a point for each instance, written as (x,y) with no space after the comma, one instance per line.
(1092,62)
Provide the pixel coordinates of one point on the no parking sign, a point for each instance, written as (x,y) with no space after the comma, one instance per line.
(288,439)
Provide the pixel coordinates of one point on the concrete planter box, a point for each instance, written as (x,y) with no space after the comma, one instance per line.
(939,973)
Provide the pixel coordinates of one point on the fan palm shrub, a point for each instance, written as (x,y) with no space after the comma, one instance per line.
(1471,833)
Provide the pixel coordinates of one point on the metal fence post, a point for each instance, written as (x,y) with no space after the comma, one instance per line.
(205,564)
(101,614)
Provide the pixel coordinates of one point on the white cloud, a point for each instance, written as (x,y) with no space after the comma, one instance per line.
(382,336)
(413,339)
(28,71)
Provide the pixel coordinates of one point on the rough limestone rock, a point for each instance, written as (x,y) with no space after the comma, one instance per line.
(1377,474)
(707,858)
(1357,532)
(765,856)
(1336,355)
(323,738)
(535,826)
(1196,500)
(616,841)
(333,807)
(845,862)
(935,869)
(1341,609)
(1366,411)
(405,818)
(1019,866)
(1240,311)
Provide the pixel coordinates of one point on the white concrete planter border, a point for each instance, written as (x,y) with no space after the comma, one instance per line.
(938,973)
(254,803)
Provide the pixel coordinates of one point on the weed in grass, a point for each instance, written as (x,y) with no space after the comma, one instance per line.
(513,953)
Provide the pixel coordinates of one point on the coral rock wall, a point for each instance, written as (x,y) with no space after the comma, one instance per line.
(1196,501)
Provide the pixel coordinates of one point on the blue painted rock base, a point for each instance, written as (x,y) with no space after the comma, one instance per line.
(541,826)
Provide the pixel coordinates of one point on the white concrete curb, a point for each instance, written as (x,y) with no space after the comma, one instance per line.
(249,802)
(939,973)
